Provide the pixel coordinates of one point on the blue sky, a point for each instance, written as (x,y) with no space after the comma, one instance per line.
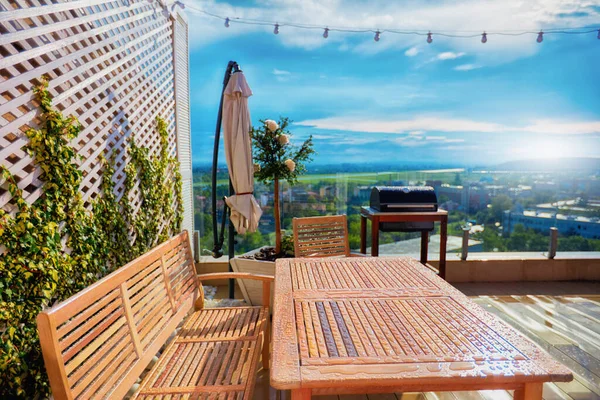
(454,101)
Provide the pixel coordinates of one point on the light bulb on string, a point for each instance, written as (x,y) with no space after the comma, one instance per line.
(326,33)
(540,37)
(429,39)
(484,38)
(276,30)
(227,23)
(377,36)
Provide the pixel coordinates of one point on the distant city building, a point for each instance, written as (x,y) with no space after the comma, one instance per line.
(545,186)
(327,191)
(543,221)
(264,199)
(520,192)
(589,186)
(363,193)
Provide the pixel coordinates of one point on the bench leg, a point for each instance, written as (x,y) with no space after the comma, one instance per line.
(531,391)
(301,394)
(266,346)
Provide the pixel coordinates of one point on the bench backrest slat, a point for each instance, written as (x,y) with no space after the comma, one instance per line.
(97,342)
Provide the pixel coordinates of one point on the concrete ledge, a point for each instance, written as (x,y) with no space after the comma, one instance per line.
(517,269)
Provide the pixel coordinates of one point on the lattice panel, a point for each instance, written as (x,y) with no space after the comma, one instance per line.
(111,65)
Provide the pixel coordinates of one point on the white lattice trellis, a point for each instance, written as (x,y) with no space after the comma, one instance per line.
(115,65)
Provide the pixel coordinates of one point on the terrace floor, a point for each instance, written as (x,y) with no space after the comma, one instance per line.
(562,317)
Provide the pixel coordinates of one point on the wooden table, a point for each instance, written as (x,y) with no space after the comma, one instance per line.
(384,325)
(376,217)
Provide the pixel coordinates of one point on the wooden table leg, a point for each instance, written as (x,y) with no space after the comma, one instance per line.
(531,391)
(363,234)
(301,394)
(443,239)
(424,246)
(375,236)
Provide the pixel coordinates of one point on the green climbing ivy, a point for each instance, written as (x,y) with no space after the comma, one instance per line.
(55,247)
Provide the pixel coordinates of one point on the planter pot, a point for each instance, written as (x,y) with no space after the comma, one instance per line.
(251,289)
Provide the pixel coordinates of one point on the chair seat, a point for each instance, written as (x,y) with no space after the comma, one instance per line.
(211,356)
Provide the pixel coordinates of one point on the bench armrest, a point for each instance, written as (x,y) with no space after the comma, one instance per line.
(235,275)
(266,280)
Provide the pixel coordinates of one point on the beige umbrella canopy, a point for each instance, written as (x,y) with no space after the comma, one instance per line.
(245,211)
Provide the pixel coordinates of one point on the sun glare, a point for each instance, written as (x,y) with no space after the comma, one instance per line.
(547,148)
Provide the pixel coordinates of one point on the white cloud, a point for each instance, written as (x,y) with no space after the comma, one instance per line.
(420,124)
(280,72)
(281,75)
(435,138)
(424,123)
(413,51)
(324,137)
(449,55)
(556,127)
(418,141)
(466,67)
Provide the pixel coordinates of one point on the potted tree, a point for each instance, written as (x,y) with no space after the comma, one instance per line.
(276,159)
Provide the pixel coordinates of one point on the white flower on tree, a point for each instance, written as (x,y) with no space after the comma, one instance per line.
(290,164)
(271,125)
(283,139)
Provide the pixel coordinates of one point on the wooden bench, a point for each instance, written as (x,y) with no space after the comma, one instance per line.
(98,342)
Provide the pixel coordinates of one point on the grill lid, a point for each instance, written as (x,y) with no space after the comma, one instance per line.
(403,198)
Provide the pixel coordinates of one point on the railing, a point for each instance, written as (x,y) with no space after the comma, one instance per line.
(552,246)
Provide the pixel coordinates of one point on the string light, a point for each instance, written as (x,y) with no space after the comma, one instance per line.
(540,37)
(461,34)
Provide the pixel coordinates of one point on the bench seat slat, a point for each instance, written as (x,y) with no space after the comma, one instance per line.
(208,355)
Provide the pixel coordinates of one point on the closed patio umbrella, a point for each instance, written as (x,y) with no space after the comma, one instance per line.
(245,211)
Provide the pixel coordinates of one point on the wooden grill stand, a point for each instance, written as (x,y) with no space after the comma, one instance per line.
(376,217)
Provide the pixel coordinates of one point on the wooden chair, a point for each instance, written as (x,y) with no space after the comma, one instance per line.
(97,343)
(321,237)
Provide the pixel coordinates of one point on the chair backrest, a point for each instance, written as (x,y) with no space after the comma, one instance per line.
(321,236)
(97,342)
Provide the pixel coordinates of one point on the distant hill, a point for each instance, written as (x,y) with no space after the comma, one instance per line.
(553,164)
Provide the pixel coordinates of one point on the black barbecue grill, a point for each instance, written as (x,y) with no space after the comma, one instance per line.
(404,199)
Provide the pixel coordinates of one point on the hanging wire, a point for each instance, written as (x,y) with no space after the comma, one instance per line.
(417,32)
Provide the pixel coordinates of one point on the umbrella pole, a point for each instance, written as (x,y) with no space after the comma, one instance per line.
(230,246)
(218,240)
